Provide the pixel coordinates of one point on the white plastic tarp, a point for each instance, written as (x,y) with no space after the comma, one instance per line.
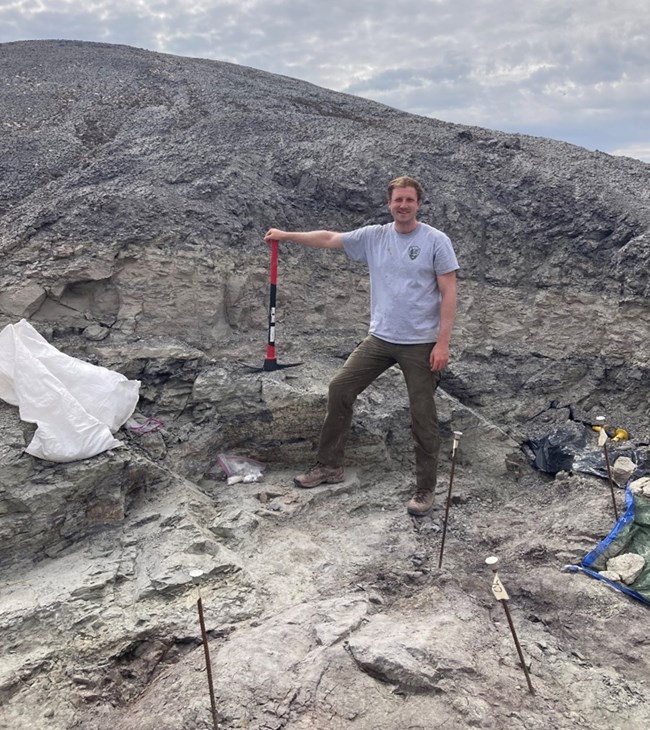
(76,406)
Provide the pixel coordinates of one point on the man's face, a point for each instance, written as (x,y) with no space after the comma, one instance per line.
(404,205)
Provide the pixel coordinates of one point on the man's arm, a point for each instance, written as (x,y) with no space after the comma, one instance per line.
(313,239)
(440,353)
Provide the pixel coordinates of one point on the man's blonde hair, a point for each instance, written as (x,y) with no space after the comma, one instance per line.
(405,182)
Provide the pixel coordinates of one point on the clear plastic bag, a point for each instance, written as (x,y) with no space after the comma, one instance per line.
(240,468)
(150,424)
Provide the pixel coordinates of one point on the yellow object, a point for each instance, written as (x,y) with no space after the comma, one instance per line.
(615,434)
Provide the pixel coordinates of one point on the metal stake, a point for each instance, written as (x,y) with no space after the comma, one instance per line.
(196,576)
(454,449)
(602,441)
(501,595)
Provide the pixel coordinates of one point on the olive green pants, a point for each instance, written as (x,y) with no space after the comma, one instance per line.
(368,361)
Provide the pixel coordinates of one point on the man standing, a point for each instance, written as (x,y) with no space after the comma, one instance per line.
(412,310)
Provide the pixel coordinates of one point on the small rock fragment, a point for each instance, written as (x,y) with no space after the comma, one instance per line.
(610,575)
(96,332)
(622,470)
(641,486)
(628,566)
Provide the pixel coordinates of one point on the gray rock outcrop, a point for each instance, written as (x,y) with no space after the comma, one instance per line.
(135,189)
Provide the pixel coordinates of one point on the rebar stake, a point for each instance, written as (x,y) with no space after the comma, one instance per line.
(602,441)
(196,577)
(501,595)
(454,449)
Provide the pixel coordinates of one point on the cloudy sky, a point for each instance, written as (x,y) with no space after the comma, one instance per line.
(574,70)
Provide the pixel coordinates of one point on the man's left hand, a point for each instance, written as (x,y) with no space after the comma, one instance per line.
(439,357)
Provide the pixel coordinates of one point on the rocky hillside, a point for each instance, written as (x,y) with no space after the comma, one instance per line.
(135,189)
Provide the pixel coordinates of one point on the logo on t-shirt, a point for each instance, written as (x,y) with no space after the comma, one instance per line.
(414,252)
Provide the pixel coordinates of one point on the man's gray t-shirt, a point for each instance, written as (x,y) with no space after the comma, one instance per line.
(404,294)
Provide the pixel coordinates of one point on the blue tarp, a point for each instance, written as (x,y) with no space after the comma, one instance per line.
(630,534)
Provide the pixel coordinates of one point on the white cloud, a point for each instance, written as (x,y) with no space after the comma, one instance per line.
(640,151)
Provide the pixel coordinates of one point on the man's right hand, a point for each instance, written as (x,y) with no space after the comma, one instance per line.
(274,234)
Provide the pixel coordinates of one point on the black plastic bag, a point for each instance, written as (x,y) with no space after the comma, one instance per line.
(574,447)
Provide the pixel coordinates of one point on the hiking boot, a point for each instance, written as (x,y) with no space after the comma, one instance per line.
(420,504)
(319,474)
